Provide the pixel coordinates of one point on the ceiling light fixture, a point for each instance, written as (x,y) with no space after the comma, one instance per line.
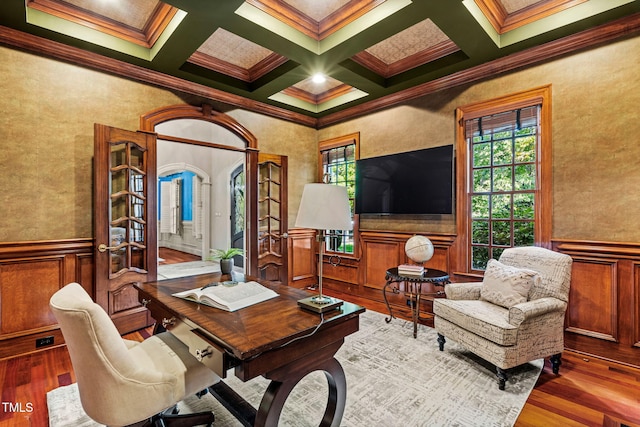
(318,78)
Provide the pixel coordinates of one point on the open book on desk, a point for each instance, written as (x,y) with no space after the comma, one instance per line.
(229,296)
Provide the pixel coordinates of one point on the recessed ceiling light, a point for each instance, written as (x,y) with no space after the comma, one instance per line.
(318,78)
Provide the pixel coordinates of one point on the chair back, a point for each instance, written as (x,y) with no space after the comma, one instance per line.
(108,377)
(554,269)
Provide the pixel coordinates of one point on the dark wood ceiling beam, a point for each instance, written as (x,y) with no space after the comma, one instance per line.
(626,26)
(288,15)
(248,75)
(372,62)
(268,64)
(206,61)
(346,15)
(161,17)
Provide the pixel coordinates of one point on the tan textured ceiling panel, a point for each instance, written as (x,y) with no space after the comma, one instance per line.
(132,13)
(318,9)
(512,6)
(414,39)
(233,49)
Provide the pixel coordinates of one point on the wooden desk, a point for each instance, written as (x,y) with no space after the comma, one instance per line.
(275,339)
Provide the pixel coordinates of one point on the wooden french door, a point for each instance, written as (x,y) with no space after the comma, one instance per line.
(124,222)
(272,217)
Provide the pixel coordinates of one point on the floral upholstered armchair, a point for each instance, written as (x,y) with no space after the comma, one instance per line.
(515,315)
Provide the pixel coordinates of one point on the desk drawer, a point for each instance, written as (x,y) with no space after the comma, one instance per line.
(210,355)
(207,353)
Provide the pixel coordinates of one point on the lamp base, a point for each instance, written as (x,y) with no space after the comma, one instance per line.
(319,304)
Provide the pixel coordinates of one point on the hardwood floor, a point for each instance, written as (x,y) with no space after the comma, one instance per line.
(588,392)
(172,256)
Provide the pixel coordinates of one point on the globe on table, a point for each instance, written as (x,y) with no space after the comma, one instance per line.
(419,249)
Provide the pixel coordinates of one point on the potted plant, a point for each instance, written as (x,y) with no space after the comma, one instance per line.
(225,256)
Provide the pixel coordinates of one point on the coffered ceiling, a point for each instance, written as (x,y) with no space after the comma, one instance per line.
(266,55)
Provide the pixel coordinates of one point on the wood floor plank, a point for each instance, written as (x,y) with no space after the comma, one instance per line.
(172,256)
(607,398)
(46,368)
(533,415)
(560,409)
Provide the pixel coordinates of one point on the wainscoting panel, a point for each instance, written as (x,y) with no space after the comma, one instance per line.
(636,304)
(302,257)
(339,268)
(30,272)
(378,257)
(593,298)
(603,318)
(25,285)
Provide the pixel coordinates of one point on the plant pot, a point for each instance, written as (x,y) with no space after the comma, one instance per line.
(226,265)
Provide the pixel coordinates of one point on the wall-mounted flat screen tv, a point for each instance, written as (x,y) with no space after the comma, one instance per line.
(411,183)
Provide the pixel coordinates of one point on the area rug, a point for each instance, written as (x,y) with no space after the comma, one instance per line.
(392,380)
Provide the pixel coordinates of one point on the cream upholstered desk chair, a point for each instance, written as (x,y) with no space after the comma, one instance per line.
(123,382)
(515,315)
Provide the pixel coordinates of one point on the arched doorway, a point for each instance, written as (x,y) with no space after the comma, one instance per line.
(220,132)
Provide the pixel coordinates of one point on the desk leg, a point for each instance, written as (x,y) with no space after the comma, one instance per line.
(386,301)
(281,385)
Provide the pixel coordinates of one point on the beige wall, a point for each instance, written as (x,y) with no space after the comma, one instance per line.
(46,139)
(596,135)
(49,107)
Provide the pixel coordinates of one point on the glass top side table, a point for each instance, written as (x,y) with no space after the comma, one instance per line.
(413,290)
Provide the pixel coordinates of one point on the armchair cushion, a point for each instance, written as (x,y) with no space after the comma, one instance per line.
(480,317)
(554,269)
(506,285)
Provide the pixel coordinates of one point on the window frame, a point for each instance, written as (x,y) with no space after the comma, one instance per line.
(337,142)
(543,199)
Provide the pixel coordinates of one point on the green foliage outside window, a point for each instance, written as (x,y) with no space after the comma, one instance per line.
(339,168)
(503,172)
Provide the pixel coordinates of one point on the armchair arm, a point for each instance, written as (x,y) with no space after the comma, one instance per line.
(463,291)
(530,309)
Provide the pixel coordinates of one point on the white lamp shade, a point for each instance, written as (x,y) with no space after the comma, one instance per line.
(324,207)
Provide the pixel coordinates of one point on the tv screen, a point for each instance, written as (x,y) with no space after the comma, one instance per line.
(413,183)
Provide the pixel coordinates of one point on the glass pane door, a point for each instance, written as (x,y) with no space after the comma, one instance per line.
(127,222)
(272,246)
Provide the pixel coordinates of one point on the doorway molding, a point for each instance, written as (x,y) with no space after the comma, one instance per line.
(205,112)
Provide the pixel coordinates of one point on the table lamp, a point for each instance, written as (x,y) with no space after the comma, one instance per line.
(323,207)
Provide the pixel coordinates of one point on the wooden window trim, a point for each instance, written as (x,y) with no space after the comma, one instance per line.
(543,196)
(341,141)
